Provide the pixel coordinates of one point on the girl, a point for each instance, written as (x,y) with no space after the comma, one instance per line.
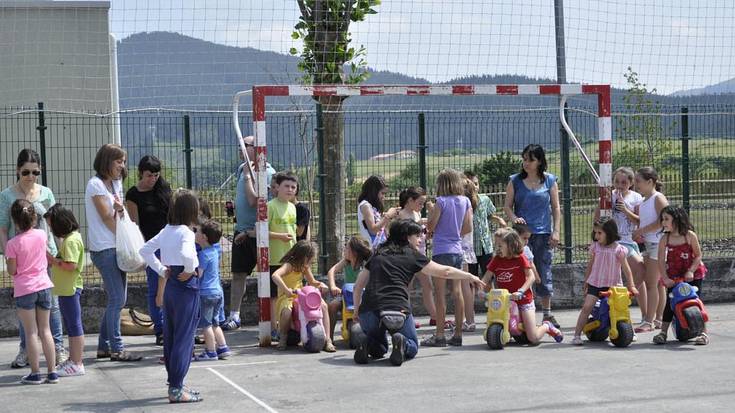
(607,258)
(649,229)
(625,202)
(289,278)
(449,221)
(469,258)
(512,271)
(369,209)
(178,290)
(66,271)
(412,201)
(679,255)
(356,252)
(482,237)
(25,260)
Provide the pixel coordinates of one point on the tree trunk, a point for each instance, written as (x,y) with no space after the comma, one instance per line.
(334,181)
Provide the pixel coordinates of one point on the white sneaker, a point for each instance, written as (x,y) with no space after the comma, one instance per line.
(21,360)
(69,369)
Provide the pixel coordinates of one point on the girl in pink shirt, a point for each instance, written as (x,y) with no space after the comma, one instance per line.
(607,258)
(25,256)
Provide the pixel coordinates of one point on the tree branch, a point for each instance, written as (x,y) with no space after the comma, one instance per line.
(345,24)
(304,11)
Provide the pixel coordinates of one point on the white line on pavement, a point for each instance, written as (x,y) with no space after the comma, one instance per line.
(243,391)
(254,363)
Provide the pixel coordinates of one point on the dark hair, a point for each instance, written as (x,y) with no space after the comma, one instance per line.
(106,155)
(469,174)
(300,255)
(647,173)
(679,218)
(285,176)
(212,230)
(23,214)
(26,156)
(609,227)
(61,220)
(412,192)
(184,208)
(521,229)
(512,240)
(398,235)
(536,152)
(205,212)
(161,188)
(360,248)
(370,190)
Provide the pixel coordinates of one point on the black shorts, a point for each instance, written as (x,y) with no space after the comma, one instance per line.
(595,291)
(244,255)
(274,287)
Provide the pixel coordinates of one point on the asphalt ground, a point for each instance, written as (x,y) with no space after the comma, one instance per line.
(472,378)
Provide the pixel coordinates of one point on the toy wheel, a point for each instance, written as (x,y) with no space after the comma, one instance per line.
(293,338)
(696,324)
(522,339)
(625,335)
(316,337)
(494,337)
(351,326)
(598,335)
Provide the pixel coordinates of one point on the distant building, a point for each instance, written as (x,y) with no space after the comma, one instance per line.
(407,154)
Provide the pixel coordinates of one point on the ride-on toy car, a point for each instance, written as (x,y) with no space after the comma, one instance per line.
(348,308)
(503,320)
(689,312)
(307,318)
(611,318)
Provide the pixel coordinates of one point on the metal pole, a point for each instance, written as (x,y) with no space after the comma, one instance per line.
(323,256)
(422,153)
(685,187)
(41,128)
(561,78)
(561,59)
(187,150)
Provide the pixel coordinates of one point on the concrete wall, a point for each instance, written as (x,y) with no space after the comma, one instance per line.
(719,286)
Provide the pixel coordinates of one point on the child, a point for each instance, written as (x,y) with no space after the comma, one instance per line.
(525,233)
(369,209)
(469,258)
(649,229)
(356,252)
(682,255)
(625,201)
(303,215)
(211,296)
(512,271)
(25,260)
(607,258)
(66,271)
(482,236)
(178,290)
(297,266)
(449,221)
(281,228)
(412,201)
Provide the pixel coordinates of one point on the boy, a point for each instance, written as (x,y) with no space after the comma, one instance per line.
(525,233)
(210,291)
(281,228)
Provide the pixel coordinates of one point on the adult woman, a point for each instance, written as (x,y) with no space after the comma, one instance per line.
(28,169)
(103,205)
(147,203)
(532,198)
(386,277)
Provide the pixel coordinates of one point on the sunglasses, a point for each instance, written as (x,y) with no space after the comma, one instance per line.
(26,172)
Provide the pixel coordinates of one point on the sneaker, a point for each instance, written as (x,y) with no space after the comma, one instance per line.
(701,340)
(552,320)
(554,331)
(659,338)
(223,352)
(33,378)
(434,341)
(455,341)
(644,327)
(61,355)
(159,339)
(577,341)
(21,360)
(69,369)
(231,324)
(469,327)
(52,378)
(275,337)
(198,340)
(399,349)
(206,356)
(416,324)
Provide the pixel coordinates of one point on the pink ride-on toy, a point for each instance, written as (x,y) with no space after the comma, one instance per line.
(307,319)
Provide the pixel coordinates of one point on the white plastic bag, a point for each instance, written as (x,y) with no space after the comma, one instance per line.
(128,241)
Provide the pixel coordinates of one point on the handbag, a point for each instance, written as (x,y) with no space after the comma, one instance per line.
(135,323)
(128,242)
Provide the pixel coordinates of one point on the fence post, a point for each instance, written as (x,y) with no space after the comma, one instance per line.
(422,150)
(323,256)
(566,194)
(685,185)
(187,150)
(41,128)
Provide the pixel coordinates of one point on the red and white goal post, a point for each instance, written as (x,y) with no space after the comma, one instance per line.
(260,93)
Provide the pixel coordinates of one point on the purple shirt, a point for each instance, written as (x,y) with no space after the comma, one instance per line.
(447,238)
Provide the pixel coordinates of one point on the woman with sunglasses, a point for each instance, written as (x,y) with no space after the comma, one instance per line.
(26,186)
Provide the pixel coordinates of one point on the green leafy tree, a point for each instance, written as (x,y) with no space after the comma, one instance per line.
(324,30)
(351,169)
(497,168)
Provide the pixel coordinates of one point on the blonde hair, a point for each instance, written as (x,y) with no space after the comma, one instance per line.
(449,182)
(512,240)
(470,191)
(628,172)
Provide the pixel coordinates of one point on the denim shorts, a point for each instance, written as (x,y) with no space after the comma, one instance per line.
(452,260)
(632,248)
(210,305)
(651,251)
(40,299)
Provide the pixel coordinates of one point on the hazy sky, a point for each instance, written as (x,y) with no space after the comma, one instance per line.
(673,44)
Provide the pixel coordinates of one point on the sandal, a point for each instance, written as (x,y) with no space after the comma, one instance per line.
(329,347)
(701,340)
(469,327)
(176,395)
(657,324)
(125,356)
(659,338)
(644,327)
(449,325)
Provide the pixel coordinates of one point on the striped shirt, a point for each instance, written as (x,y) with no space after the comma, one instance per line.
(606,268)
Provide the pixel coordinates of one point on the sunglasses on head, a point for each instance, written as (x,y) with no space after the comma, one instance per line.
(27,172)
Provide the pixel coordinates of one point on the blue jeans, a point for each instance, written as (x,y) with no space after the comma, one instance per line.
(115,284)
(55,323)
(378,340)
(153,310)
(542,258)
